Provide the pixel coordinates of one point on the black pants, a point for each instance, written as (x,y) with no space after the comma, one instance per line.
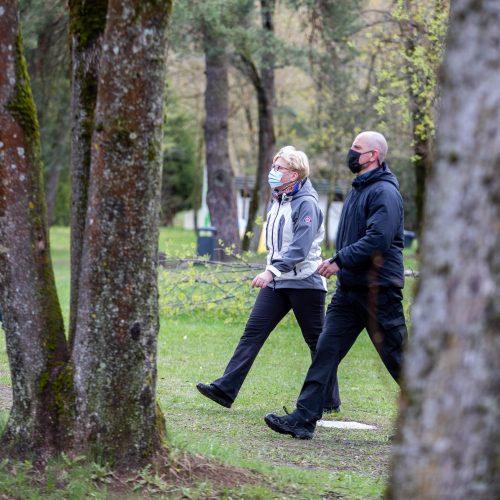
(269,309)
(381,312)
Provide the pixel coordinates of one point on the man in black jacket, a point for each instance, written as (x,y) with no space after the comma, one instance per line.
(370,277)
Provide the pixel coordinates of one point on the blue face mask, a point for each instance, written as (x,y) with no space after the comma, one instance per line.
(274,178)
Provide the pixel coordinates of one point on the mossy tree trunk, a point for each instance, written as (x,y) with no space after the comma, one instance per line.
(32,318)
(221,196)
(450,438)
(115,343)
(265,92)
(97,396)
(87,21)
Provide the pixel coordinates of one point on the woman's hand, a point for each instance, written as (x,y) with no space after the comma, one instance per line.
(262,279)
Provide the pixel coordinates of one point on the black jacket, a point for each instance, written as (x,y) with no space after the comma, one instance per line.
(370,236)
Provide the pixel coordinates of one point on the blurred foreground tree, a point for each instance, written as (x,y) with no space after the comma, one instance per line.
(450,437)
(96,393)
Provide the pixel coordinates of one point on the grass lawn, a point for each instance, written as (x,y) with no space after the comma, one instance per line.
(195,347)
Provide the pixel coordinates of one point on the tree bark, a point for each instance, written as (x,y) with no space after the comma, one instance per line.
(265,91)
(86,23)
(221,196)
(115,343)
(449,444)
(32,317)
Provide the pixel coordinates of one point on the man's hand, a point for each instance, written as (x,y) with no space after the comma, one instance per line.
(262,279)
(327,269)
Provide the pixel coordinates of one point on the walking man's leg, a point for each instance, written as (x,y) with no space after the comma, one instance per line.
(342,327)
(386,327)
(309,309)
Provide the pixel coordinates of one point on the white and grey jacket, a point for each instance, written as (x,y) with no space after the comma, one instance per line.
(294,231)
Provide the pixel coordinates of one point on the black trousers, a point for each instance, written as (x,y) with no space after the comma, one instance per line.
(269,309)
(380,311)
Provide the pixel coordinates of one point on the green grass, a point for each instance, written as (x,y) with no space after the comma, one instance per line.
(196,347)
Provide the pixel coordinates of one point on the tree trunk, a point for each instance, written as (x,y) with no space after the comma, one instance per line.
(115,343)
(265,90)
(450,438)
(86,24)
(32,317)
(221,196)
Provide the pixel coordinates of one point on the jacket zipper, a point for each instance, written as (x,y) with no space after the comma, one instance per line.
(272,231)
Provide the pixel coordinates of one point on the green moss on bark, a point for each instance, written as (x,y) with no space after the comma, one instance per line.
(56,389)
(60,383)
(87,20)
(63,390)
(143,7)
(22,105)
(161,426)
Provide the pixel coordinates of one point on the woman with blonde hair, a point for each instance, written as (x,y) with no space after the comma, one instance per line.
(294,231)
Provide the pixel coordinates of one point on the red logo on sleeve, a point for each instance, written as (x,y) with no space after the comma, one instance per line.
(307,219)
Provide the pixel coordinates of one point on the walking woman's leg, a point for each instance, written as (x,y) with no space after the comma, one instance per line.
(269,309)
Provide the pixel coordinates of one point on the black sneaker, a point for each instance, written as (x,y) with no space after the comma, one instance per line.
(328,410)
(287,425)
(215,394)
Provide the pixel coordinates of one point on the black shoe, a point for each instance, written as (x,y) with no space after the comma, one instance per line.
(215,394)
(287,425)
(327,410)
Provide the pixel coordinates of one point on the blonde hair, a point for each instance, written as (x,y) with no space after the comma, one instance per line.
(297,160)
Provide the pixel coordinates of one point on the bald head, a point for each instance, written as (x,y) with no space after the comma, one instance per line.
(374,140)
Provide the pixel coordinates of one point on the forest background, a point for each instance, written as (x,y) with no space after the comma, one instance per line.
(326,69)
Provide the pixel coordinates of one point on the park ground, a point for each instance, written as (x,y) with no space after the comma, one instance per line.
(230,453)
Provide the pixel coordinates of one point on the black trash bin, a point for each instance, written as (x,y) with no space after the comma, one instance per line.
(409,237)
(205,241)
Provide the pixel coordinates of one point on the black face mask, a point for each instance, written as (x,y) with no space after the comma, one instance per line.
(353,161)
